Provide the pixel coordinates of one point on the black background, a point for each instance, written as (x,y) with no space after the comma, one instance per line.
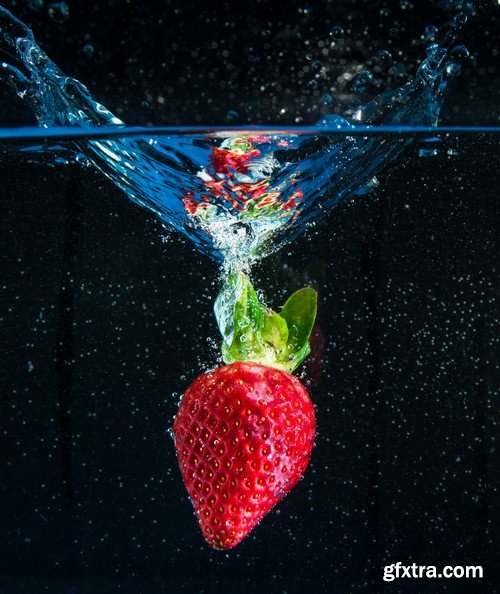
(185,63)
(104,324)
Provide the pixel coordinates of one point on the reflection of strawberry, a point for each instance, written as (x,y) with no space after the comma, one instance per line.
(243,435)
(244,432)
(236,178)
(226,161)
(315,363)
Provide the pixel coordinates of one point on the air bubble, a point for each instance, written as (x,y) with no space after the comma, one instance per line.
(337,32)
(241,229)
(383,58)
(362,81)
(59,12)
(453,69)
(232,116)
(430,33)
(428,152)
(460,19)
(406,5)
(460,52)
(35,5)
(327,99)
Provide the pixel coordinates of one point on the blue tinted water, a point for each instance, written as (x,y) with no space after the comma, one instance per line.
(239,194)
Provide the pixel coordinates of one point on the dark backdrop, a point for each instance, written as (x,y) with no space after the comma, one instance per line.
(104,324)
(185,63)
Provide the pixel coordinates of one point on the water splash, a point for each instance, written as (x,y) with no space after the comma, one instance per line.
(237,195)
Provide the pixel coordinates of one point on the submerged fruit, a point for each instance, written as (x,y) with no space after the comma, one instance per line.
(243,434)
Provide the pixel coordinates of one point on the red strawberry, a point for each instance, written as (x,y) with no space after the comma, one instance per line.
(244,432)
(243,435)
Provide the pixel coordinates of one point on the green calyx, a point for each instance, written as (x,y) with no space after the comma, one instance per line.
(253,332)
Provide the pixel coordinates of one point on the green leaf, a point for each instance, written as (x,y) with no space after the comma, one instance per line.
(240,317)
(275,330)
(299,312)
(255,311)
(253,332)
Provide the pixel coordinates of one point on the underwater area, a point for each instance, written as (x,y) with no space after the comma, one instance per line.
(348,147)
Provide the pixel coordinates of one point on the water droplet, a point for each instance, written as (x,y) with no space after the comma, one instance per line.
(459,52)
(362,81)
(406,5)
(232,116)
(384,58)
(88,49)
(431,49)
(59,12)
(337,32)
(453,69)
(460,19)
(428,152)
(430,33)
(327,98)
(35,5)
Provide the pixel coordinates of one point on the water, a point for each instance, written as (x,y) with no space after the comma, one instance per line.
(238,194)
(104,325)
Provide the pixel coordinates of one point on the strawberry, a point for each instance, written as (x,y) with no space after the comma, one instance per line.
(244,435)
(244,432)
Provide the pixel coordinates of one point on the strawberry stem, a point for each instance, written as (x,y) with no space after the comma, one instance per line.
(252,331)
